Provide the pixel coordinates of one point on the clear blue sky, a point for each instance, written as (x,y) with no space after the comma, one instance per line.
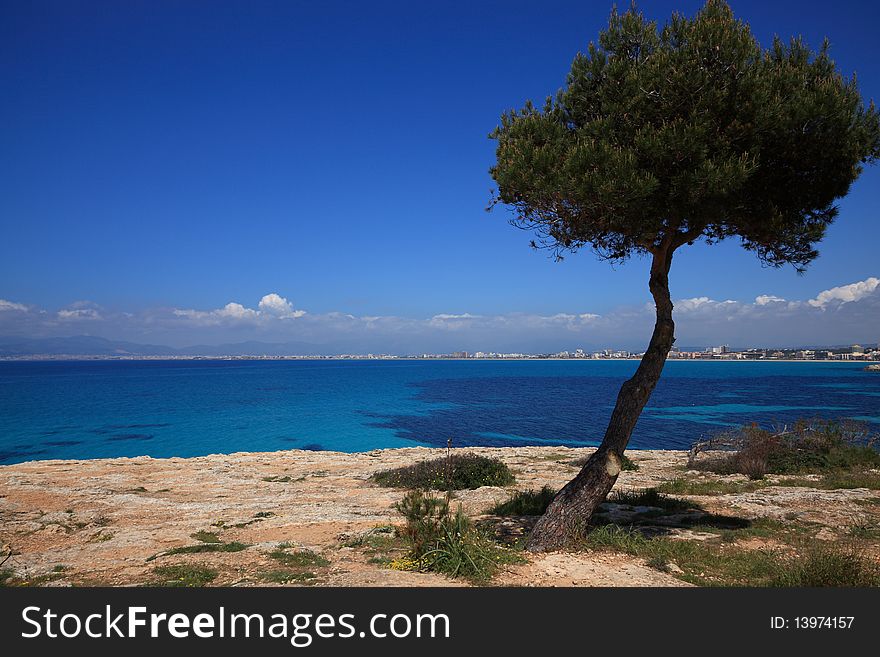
(189,154)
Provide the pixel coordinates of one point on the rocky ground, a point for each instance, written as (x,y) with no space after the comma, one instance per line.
(114,521)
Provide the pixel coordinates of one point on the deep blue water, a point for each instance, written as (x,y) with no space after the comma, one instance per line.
(188,408)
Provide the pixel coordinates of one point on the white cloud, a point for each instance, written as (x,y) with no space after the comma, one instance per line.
(446,316)
(230,312)
(275,304)
(78,314)
(236,311)
(845,293)
(767,320)
(765,299)
(453,322)
(12,306)
(563,318)
(692,304)
(271,306)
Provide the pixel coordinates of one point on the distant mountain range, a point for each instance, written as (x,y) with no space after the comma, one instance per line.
(87,345)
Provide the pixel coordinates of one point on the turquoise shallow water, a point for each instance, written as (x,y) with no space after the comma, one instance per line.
(188,408)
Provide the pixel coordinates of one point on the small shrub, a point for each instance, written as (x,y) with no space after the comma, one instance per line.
(445,542)
(809,446)
(525,503)
(460,550)
(424,514)
(455,472)
(184,575)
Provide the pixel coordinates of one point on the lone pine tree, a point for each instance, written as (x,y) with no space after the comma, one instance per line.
(665,136)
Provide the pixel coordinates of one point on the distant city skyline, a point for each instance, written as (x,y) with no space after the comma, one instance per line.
(188,174)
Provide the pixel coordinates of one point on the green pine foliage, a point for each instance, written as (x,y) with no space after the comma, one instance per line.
(666,135)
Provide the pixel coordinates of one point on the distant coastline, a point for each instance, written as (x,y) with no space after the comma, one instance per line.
(637,358)
(84,347)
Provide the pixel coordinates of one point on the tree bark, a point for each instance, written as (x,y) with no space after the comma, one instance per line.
(569,513)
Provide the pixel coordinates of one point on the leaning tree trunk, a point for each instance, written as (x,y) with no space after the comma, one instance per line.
(568,514)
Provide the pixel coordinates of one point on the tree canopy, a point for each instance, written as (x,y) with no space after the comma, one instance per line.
(664,136)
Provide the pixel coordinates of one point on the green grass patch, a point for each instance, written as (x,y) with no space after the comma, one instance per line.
(703,563)
(835,480)
(684,486)
(829,480)
(841,479)
(525,503)
(184,575)
(651,497)
(456,472)
(864,531)
(380,544)
(720,562)
(206,537)
(769,528)
(298,558)
(233,546)
(826,566)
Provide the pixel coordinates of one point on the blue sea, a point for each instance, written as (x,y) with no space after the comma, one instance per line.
(93,409)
